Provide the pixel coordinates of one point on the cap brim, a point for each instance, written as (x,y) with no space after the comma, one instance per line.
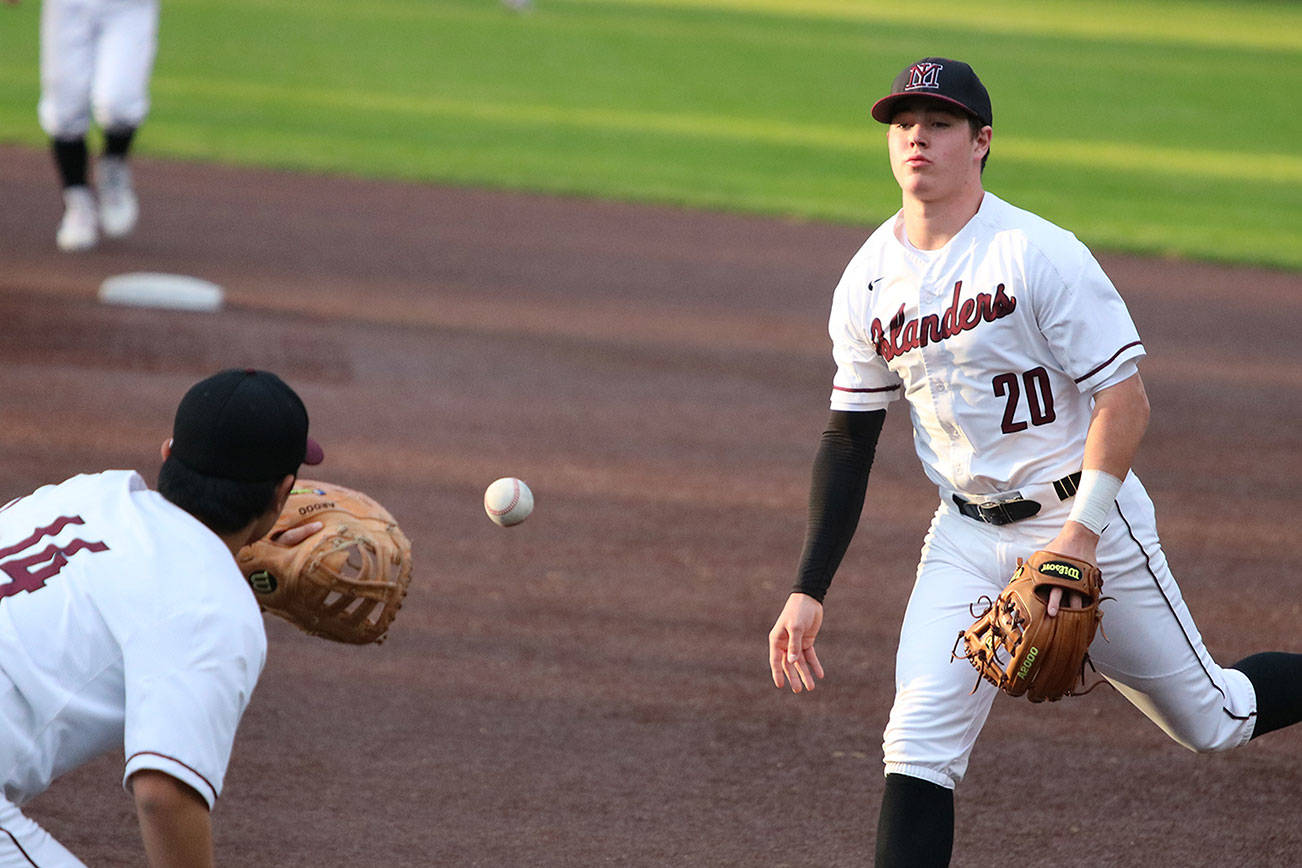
(885,107)
(315,454)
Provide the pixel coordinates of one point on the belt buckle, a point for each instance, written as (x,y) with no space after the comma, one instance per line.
(994,510)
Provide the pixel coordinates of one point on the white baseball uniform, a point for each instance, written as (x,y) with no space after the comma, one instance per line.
(125,624)
(998,341)
(96,57)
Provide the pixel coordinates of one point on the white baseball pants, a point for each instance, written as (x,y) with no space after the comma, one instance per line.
(24,844)
(1153,653)
(96,55)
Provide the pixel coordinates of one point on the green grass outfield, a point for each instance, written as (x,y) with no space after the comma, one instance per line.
(1147,126)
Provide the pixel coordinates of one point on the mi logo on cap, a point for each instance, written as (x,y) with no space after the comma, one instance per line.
(924,75)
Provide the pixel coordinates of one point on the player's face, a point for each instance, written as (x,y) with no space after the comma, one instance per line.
(933,153)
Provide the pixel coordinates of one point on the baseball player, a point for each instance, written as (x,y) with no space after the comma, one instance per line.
(1019,364)
(126,625)
(96,59)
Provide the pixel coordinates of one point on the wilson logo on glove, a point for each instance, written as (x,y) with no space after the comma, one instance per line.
(262,582)
(1061,569)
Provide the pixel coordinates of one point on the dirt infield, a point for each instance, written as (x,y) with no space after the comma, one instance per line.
(591,688)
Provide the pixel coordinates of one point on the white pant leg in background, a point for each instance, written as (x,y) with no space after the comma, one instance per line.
(124,62)
(24,844)
(69,29)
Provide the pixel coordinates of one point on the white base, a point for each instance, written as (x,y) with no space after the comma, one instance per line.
(174,291)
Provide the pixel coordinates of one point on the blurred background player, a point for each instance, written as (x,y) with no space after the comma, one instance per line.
(96,60)
(126,625)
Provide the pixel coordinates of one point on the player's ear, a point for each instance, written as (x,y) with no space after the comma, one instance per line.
(166,449)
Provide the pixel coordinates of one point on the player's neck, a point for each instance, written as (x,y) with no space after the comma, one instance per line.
(250,533)
(931,224)
(235,541)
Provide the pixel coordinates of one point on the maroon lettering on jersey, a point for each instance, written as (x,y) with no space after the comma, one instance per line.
(29,572)
(961,315)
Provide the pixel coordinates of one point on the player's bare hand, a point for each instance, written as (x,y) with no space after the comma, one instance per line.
(292,536)
(1074,601)
(791,643)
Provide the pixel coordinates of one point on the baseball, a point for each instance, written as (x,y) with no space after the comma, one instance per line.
(508,501)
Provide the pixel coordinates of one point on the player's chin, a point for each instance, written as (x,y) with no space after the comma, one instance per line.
(912,181)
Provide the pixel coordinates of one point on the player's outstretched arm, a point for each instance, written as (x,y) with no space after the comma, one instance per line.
(791,643)
(174,821)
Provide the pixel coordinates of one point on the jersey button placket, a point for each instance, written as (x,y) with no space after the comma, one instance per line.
(936,363)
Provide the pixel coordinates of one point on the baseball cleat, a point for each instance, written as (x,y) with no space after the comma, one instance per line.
(79,229)
(118,206)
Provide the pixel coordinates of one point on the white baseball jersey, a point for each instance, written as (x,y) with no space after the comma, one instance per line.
(997,341)
(125,624)
(96,56)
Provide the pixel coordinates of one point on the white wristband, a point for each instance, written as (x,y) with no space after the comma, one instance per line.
(1094,499)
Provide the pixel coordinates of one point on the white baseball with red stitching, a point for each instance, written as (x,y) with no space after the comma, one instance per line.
(508,501)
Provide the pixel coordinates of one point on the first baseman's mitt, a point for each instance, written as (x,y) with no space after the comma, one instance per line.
(1017,647)
(345,582)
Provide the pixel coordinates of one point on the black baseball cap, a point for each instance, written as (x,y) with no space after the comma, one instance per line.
(244,425)
(950,81)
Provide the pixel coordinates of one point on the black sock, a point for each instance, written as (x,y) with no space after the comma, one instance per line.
(118,141)
(916,825)
(1277,678)
(70,160)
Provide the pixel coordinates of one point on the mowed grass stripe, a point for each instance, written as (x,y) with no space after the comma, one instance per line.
(1115,156)
(1274,26)
(1265,26)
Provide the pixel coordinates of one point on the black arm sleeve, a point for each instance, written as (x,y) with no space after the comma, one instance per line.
(836,495)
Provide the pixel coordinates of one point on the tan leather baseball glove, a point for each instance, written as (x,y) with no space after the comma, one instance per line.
(345,582)
(1017,647)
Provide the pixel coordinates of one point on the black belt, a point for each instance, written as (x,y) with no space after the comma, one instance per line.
(1009,511)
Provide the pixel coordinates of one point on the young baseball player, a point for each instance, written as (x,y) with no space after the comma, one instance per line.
(96,59)
(1019,364)
(125,624)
